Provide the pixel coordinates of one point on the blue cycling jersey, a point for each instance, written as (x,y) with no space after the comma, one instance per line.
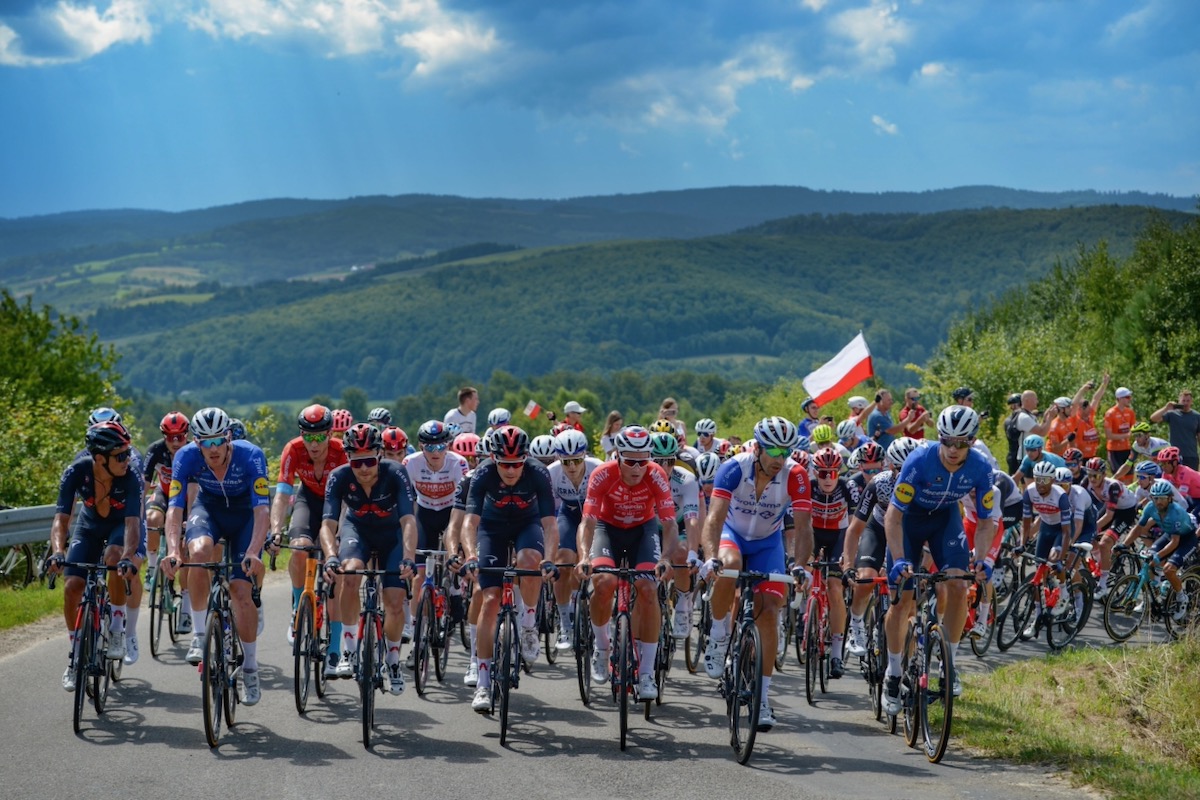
(1026,468)
(244,484)
(925,484)
(1174,521)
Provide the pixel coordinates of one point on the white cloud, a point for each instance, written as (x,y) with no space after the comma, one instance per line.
(873,32)
(814,5)
(883,126)
(74,32)
(935,69)
(448,43)
(1132,23)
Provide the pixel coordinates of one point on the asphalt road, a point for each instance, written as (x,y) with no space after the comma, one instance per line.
(151,737)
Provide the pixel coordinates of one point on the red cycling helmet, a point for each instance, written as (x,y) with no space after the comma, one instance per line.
(870,452)
(1073,454)
(395,440)
(342,420)
(362,437)
(802,457)
(559,427)
(315,419)
(508,442)
(175,424)
(1096,465)
(464,444)
(1168,455)
(827,459)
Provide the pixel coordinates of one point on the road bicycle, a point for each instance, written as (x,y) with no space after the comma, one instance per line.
(585,640)
(431,627)
(165,604)
(1060,606)
(506,653)
(874,663)
(221,669)
(817,637)
(697,638)
(1146,595)
(624,670)
(310,628)
(93,669)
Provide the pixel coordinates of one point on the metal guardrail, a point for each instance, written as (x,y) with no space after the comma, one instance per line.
(25,525)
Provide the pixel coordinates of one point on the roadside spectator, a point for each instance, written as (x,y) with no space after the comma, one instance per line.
(669,410)
(608,436)
(1183,426)
(1118,421)
(464,415)
(1027,421)
(859,412)
(914,415)
(811,417)
(879,425)
(1012,433)
(1062,433)
(1087,437)
(574,413)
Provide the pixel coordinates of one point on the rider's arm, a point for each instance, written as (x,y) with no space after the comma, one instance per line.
(58,533)
(804,536)
(454,531)
(587,530)
(717,512)
(408,532)
(550,537)
(279,507)
(470,536)
(329,528)
(670,537)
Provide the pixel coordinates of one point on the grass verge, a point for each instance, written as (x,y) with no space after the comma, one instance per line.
(1122,720)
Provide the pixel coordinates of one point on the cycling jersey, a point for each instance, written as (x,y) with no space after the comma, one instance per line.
(714,445)
(528,500)
(926,485)
(1052,507)
(435,488)
(831,510)
(1187,481)
(158,465)
(244,485)
(614,502)
(383,507)
(754,516)
(1027,465)
(1080,502)
(297,463)
(566,494)
(873,502)
(1150,449)
(1174,521)
(1006,487)
(685,493)
(1112,495)
(124,496)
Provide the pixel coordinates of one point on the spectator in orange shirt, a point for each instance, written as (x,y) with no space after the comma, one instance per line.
(1063,428)
(1087,437)
(1117,422)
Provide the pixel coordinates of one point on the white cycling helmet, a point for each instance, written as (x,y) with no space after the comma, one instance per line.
(706,426)
(900,449)
(1043,469)
(853,461)
(498,417)
(542,447)
(1063,475)
(209,423)
(103,414)
(857,403)
(633,439)
(706,467)
(776,432)
(570,443)
(846,429)
(958,421)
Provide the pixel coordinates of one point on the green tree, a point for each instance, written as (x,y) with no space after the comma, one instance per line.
(355,401)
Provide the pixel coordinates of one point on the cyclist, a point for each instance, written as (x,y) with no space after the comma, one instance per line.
(848,435)
(569,477)
(865,549)
(1177,541)
(1146,473)
(157,474)
(1073,458)
(868,458)
(395,443)
(752,492)
(466,444)
(1035,453)
(342,420)
(542,448)
(109,526)
(509,496)
(1143,444)
(231,507)
(823,436)
(1116,507)
(706,437)
(925,510)
(378,520)
(706,472)
(834,499)
(685,494)
(434,474)
(497,418)
(379,418)
(627,499)
(1185,479)
(1006,513)
(309,458)
(455,546)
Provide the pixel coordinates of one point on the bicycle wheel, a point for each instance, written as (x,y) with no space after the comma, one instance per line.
(502,674)
(366,677)
(1128,603)
(585,647)
(811,650)
(697,638)
(16,566)
(464,632)
(746,693)
(212,679)
(1123,563)
(174,599)
(82,658)
(623,678)
(547,623)
(158,613)
(876,660)
(1016,616)
(320,645)
(422,633)
(101,667)
(787,628)
(824,644)
(981,645)
(1061,630)
(302,662)
(233,672)
(1187,623)
(663,656)
(937,699)
(910,684)
(439,644)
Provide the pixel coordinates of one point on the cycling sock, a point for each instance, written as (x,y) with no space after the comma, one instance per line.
(349,640)
(718,632)
(296,592)
(335,637)
(647,653)
(601,634)
(393,651)
(250,655)
(185,602)
(118,619)
(564,614)
(985,610)
(856,621)
(132,619)
(954,650)
(199,621)
(766,686)
(529,619)
(474,630)
(835,646)
(485,675)
(893,668)
(152,560)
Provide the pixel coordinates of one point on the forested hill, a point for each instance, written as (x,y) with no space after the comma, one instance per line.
(76,260)
(765,302)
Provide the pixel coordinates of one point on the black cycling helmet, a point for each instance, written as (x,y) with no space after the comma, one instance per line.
(381,416)
(104,437)
(315,419)
(962,393)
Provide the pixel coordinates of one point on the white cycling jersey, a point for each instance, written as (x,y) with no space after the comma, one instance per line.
(435,488)
(754,516)
(685,491)
(564,490)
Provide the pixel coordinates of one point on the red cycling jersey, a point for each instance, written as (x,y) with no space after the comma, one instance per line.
(296,463)
(614,502)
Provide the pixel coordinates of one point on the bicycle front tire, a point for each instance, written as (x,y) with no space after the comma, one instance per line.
(422,631)
(367,668)
(910,685)
(937,699)
(440,643)
(1121,620)
(83,657)
(212,679)
(811,650)
(503,670)
(302,645)
(746,693)
(157,613)
(102,668)
(1013,621)
(623,679)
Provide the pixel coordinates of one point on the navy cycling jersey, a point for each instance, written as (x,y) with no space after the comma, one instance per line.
(78,479)
(873,502)
(389,499)
(244,485)
(1009,493)
(530,498)
(926,485)
(158,465)
(464,490)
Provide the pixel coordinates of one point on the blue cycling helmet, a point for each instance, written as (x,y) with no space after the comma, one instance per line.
(1162,488)
(1147,469)
(1033,442)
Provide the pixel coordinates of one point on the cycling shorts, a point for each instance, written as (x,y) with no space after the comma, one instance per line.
(872,547)
(306,516)
(759,555)
(568,531)
(158,500)
(430,527)
(638,546)
(832,543)
(1088,532)
(495,542)
(1049,537)
(1123,521)
(232,526)
(942,530)
(87,546)
(384,542)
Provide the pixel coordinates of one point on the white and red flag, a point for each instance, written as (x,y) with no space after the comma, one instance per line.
(532,409)
(842,373)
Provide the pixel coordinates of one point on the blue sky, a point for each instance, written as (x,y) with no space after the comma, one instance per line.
(178,104)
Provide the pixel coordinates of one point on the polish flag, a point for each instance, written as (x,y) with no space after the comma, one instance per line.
(532,409)
(846,370)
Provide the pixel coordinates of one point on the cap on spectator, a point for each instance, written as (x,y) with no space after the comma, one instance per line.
(963,392)
(856,402)
(574,408)
(1014,399)
(1062,402)
(1123,391)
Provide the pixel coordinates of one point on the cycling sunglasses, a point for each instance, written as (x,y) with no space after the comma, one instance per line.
(314,438)
(215,441)
(364,463)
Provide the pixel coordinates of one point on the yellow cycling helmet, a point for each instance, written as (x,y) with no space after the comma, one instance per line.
(662,426)
(823,434)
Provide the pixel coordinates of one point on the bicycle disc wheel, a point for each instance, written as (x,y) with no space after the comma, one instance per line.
(1016,616)
(302,662)
(157,613)
(746,693)
(320,651)
(585,647)
(440,641)
(503,673)
(937,698)
(102,667)
(212,679)
(366,678)
(1187,623)
(422,632)
(910,683)
(811,650)
(83,657)
(1122,617)
(1061,630)
(624,675)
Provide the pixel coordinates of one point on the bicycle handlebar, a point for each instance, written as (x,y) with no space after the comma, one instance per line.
(757,576)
